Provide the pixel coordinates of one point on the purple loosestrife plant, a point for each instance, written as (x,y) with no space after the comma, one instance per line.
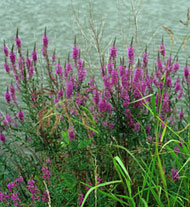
(70,119)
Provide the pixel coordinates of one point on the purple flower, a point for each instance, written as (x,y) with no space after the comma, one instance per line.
(46,173)
(21,116)
(2,137)
(110,67)
(59,70)
(148,129)
(10,186)
(7,96)
(137,127)
(104,106)
(138,75)
(71,134)
(81,74)
(55,100)
(113,52)
(12,57)
(75,54)
(7,68)
(176,150)
(69,67)
(45,41)
(18,42)
(88,188)
(111,126)
(107,83)
(48,161)
(44,51)
(20,179)
(159,65)
(175,174)
(12,89)
(15,199)
(169,82)
(96,97)
(60,93)
(176,67)
(69,88)
(53,58)
(5,50)
(181,142)
(8,117)
(114,77)
(131,55)
(177,87)
(45,198)
(34,55)
(81,198)
(162,49)
(186,73)
(180,94)
(145,60)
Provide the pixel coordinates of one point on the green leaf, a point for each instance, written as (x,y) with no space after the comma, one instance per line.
(153,103)
(65,136)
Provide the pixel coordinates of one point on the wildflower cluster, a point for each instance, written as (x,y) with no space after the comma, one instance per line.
(64,110)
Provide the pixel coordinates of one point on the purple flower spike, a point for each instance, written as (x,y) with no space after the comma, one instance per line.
(46,173)
(7,68)
(12,57)
(7,96)
(59,70)
(176,67)
(187,73)
(113,52)
(145,60)
(45,41)
(175,174)
(53,58)
(45,44)
(69,89)
(162,48)
(177,87)
(18,42)
(81,198)
(34,55)
(45,198)
(180,94)
(131,55)
(75,54)
(5,49)
(114,77)
(21,116)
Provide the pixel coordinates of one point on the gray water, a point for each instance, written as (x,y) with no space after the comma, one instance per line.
(63,17)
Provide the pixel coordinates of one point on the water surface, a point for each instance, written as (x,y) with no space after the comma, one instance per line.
(61,17)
